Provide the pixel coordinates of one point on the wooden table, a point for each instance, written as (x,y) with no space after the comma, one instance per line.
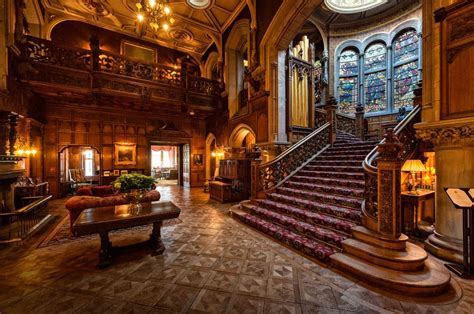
(414,207)
(101,220)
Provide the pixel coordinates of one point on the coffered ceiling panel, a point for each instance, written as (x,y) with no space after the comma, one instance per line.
(195,20)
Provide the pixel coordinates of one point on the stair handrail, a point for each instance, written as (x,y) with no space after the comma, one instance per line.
(271,174)
(405,132)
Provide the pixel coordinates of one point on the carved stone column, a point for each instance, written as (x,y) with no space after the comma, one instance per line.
(359,122)
(453,142)
(389,189)
(331,107)
(4,131)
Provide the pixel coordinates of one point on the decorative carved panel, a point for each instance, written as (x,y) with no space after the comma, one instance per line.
(457,60)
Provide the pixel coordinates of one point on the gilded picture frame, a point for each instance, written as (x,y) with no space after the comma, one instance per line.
(125,154)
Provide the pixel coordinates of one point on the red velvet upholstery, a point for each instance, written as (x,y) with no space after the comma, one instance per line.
(84,191)
(102,191)
(76,204)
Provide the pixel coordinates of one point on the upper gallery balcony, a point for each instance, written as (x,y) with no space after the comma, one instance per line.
(95,76)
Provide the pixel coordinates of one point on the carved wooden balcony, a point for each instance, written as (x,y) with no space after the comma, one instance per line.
(101,77)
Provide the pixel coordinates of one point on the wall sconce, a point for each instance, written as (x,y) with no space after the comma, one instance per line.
(26,152)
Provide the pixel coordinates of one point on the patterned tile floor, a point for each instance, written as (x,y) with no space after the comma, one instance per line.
(212,264)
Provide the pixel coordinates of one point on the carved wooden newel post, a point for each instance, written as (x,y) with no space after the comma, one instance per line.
(255,177)
(331,107)
(359,122)
(389,167)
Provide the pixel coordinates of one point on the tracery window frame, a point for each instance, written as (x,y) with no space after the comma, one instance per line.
(388,39)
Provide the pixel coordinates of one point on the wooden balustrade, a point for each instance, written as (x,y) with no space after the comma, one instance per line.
(270,175)
(405,133)
(44,52)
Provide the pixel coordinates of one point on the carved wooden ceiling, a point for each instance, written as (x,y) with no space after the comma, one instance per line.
(198,22)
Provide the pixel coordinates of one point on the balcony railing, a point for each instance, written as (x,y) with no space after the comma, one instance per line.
(40,51)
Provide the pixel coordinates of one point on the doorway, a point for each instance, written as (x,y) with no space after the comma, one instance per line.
(165,164)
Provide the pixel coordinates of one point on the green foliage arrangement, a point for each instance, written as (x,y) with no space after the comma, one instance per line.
(134,181)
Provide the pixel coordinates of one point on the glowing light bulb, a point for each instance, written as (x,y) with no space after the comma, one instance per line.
(152,3)
(167,10)
(166,26)
(213,154)
(33,151)
(140,17)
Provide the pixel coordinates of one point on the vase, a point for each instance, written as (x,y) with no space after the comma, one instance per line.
(134,198)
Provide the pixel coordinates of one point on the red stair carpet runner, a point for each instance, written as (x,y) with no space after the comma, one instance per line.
(316,208)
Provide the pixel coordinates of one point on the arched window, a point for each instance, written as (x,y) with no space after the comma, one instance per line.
(375,78)
(348,80)
(405,71)
(382,80)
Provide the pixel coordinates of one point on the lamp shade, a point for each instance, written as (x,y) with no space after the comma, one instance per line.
(413,165)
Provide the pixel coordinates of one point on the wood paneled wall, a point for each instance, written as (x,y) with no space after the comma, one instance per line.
(68,125)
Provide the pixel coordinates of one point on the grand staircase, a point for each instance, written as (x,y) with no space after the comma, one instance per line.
(315,209)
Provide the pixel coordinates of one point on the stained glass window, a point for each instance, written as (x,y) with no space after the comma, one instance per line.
(405,46)
(375,57)
(349,63)
(348,96)
(405,78)
(375,91)
(403,61)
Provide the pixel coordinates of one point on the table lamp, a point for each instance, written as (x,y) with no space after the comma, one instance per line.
(413,166)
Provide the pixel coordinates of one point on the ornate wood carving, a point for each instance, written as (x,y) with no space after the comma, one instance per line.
(99,72)
(405,133)
(273,173)
(457,44)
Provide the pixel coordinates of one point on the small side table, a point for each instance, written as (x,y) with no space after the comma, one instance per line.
(414,208)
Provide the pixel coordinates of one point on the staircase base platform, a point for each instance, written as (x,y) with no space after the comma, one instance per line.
(433,279)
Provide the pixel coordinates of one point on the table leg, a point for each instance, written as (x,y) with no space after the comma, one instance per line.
(155,238)
(105,253)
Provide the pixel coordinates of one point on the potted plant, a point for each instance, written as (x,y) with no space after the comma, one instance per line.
(133,188)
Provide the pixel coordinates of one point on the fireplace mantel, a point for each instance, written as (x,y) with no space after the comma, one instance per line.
(11,167)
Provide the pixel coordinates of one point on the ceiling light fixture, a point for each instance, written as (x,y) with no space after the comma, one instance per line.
(156,13)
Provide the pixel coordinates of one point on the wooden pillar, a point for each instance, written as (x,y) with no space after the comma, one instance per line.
(4,131)
(13,121)
(331,107)
(255,180)
(389,189)
(359,122)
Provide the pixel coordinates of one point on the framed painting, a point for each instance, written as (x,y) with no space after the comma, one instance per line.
(138,52)
(116,173)
(197,159)
(125,154)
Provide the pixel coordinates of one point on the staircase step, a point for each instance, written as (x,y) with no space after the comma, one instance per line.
(302,243)
(358,184)
(330,174)
(334,168)
(309,216)
(372,237)
(301,227)
(323,157)
(329,189)
(411,259)
(344,150)
(432,279)
(335,163)
(347,201)
(276,200)
(353,144)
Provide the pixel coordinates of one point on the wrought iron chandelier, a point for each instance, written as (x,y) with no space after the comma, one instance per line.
(156,13)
